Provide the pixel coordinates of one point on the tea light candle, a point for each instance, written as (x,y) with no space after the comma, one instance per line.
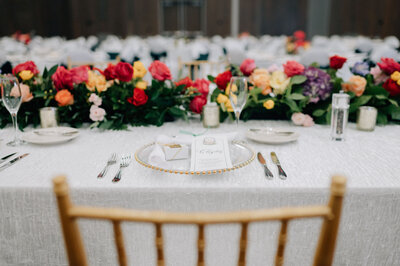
(366,118)
(210,115)
(48,117)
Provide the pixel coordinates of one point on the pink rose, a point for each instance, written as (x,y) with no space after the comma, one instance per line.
(273,68)
(308,121)
(388,65)
(298,119)
(196,105)
(79,74)
(25,92)
(247,66)
(160,71)
(96,100)
(379,76)
(97,113)
(293,68)
(202,85)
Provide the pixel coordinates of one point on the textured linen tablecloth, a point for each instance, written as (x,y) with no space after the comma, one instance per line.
(30,232)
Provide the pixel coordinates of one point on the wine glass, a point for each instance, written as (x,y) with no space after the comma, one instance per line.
(238,95)
(12,97)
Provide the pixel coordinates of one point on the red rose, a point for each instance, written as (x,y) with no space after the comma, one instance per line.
(299,35)
(223,79)
(196,105)
(247,66)
(392,87)
(139,97)
(336,62)
(160,71)
(293,68)
(186,81)
(62,79)
(124,71)
(202,85)
(109,72)
(388,65)
(79,74)
(29,65)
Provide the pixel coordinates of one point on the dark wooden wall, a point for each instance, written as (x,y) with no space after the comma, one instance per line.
(73,18)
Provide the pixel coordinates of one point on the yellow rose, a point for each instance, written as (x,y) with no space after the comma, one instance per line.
(139,70)
(234,88)
(279,82)
(269,104)
(228,106)
(96,81)
(395,76)
(398,82)
(222,98)
(26,74)
(141,84)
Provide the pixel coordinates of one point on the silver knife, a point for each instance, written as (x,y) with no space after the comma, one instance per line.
(268,173)
(6,157)
(13,161)
(282,174)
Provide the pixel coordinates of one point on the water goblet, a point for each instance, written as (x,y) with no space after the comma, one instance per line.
(11,96)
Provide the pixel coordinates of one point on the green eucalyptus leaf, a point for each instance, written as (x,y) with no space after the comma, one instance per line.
(318,112)
(296,96)
(298,79)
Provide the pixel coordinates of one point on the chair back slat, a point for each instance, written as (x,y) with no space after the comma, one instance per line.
(323,256)
(329,230)
(119,243)
(159,245)
(200,246)
(279,258)
(243,245)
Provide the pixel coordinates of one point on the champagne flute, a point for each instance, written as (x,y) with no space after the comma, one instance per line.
(238,95)
(12,97)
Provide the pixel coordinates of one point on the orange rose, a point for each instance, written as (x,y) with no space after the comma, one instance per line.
(64,98)
(355,84)
(260,78)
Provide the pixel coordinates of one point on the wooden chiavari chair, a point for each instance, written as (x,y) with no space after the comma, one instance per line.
(101,65)
(194,68)
(69,213)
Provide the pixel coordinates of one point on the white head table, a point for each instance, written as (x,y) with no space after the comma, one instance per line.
(30,232)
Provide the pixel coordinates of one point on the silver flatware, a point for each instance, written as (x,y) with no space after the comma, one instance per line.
(112,160)
(267,172)
(13,161)
(125,161)
(6,157)
(282,174)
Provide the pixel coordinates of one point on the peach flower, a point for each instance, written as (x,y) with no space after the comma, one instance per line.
(96,82)
(261,79)
(308,121)
(355,84)
(25,92)
(298,118)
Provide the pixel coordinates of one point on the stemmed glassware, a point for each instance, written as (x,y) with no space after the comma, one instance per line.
(238,91)
(12,97)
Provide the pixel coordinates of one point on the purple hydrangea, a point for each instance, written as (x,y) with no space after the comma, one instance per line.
(360,68)
(318,84)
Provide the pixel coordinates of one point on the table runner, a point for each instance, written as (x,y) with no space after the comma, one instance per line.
(30,233)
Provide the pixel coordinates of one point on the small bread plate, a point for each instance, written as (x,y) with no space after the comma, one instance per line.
(270,135)
(51,135)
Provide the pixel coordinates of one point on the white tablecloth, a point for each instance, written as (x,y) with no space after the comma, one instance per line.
(30,233)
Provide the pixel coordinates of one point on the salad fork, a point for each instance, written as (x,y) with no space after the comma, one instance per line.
(125,161)
(111,160)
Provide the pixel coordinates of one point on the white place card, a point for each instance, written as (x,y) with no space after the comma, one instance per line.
(210,152)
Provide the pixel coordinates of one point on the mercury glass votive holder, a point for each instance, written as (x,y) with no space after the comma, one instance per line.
(48,117)
(366,118)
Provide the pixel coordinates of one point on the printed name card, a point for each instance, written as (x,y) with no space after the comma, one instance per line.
(210,152)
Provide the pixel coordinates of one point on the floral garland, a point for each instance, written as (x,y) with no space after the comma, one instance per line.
(110,99)
(304,94)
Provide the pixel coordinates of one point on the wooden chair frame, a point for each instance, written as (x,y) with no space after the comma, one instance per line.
(71,64)
(324,254)
(193,67)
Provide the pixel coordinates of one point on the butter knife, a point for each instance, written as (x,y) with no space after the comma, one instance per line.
(13,161)
(282,174)
(6,157)
(261,159)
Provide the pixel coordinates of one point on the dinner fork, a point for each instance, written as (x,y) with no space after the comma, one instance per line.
(125,161)
(111,160)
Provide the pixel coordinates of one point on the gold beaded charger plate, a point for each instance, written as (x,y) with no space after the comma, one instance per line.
(241,155)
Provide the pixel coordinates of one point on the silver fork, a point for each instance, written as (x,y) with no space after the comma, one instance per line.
(111,160)
(125,161)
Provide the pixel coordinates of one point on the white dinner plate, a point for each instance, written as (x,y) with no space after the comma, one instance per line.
(51,135)
(272,135)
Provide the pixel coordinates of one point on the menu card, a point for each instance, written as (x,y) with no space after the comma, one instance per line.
(210,152)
